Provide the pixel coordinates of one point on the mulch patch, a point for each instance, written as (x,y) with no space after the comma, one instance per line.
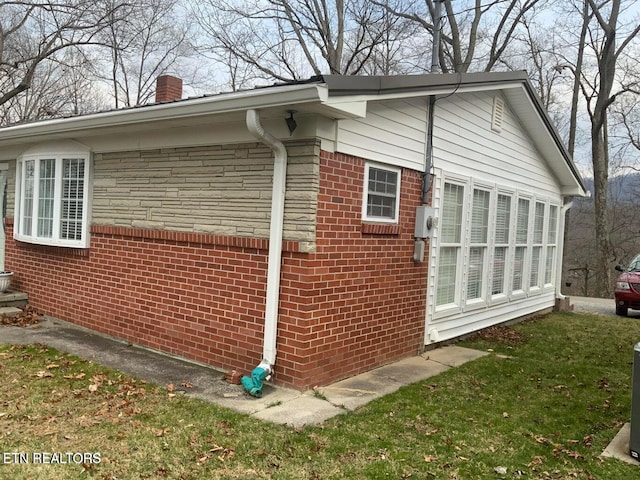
(29,316)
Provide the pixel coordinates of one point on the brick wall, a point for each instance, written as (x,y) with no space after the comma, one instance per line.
(358,302)
(194,295)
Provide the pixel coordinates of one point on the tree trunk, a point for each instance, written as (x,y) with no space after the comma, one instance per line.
(601,192)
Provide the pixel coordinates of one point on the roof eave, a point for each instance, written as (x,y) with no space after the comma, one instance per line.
(208,105)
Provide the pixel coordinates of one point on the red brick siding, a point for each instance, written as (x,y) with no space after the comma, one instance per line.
(188,297)
(359,301)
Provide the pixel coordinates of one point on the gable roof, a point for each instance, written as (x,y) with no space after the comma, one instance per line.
(333,96)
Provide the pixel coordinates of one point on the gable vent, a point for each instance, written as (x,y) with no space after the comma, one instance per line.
(497,115)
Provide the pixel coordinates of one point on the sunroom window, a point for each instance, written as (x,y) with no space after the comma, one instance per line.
(52,199)
(451,245)
(552,234)
(536,250)
(522,232)
(501,250)
(478,244)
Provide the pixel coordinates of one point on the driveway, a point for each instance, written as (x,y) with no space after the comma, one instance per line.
(600,306)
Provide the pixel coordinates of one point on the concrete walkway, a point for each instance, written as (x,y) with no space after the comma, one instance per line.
(278,405)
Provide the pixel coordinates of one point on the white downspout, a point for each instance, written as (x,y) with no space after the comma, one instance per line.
(275,234)
(563,213)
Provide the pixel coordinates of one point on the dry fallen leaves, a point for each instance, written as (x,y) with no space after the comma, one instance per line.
(28,316)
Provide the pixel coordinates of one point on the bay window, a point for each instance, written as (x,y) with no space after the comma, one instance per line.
(52,199)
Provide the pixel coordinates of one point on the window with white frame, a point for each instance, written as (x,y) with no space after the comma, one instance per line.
(552,238)
(447,292)
(520,253)
(536,247)
(381,201)
(501,245)
(52,199)
(478,244)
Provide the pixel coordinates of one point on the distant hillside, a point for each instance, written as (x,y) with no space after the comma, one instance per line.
(622,188)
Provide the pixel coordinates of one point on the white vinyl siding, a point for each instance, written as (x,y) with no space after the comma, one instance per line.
(393,132)
(465,146)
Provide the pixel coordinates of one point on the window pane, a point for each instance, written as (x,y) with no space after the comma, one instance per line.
(503,218)
(480,216)
(535,266)
(522,227)
(538,223)
(447,265)
(378,206)
(474,281)
(553,224)
(72,199)
(45,198)
(518,268)
(499,259)
(452,213)
(27,204)
(548,275)
(382,193)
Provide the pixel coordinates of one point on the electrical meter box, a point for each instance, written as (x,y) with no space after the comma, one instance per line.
(426,222)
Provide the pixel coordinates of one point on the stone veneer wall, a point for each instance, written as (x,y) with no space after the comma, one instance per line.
(219,189)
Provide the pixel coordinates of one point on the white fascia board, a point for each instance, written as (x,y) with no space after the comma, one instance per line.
(440,91)
(209,105)
(347,107)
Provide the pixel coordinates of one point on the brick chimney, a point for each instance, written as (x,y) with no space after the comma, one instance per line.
(168,88)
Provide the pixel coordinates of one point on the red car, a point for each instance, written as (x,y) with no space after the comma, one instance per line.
(627,291)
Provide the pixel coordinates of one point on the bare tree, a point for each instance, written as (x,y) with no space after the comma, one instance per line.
(62,85)
(151,40)
(34,31)
(403,47)
(599,98)
(292,39)
(474,36)
(626,112)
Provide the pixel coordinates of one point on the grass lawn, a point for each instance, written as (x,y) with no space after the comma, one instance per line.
(543,405)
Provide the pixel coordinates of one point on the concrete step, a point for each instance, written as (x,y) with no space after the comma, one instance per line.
(9,311)
(13,299)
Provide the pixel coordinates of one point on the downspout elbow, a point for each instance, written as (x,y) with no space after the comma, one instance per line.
(257,130)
